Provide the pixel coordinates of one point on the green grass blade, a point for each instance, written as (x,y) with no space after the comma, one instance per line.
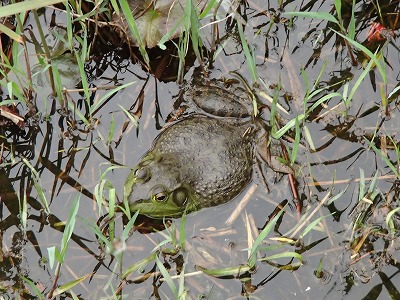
(82,73)
(367,52)
(296,142)
(308,138)
(38,185)
(230,271)
(69,285)
(352,24)
(210,5)
(312,225)
(130,116)
(182,232)
(263,234)
(109,246)
(338,7)
(97,104)
(390,215)
(129,226)
(139,264)
(16,8)
(395,90)
(33,287)
(111,212)
(248,54)
(284,255)
(167,278)
(51,251)
(359,80)
(111,129)
(277,135)
(16,37)
(385,159)
(133,27)
(69,226)
(361,192)
(321,100)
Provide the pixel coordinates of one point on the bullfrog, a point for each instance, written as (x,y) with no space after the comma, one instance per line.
(199,161)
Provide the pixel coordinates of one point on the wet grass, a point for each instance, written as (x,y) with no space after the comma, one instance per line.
(169,257)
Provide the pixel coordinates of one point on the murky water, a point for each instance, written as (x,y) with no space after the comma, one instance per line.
(340,258)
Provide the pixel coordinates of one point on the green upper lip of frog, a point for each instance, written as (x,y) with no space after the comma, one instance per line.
(196,162)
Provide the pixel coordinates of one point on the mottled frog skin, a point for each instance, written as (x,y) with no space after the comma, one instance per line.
(196,162)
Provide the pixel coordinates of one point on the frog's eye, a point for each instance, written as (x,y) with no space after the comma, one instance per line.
(142,174)
(180,197)
(160,194)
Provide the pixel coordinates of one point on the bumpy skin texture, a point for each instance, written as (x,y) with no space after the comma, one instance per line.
(197,162)
(217,101)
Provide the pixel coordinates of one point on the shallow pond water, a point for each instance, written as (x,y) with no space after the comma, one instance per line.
(351,252)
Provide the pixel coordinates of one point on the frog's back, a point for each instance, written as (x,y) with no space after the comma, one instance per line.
(214,156)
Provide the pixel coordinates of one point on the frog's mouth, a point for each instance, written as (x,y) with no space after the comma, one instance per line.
(173,204)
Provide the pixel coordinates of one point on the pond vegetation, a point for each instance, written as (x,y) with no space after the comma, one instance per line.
(87,85)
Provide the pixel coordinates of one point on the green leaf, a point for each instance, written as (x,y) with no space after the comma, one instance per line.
(296,142)
(285,255)
(139,264)
(97,104)
(129,226)
(69,285)
(167,278)
(33,287)
(130,116)
(385,159)
(263,234)
(277,135)
(231,271)
(16,37)
(312,225)
(367,52)
(52,256)
(69,227)
(134,29)
(38,185)
(250,58)
(16,8)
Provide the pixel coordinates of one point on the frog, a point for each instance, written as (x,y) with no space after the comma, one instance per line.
(199,161)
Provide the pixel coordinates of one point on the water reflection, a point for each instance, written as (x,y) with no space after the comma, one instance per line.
(352,251)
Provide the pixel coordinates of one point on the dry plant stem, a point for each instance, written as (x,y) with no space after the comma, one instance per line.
(323,201)
(214,34)
(353,60)
(292,182)
(50,294)
(241,205)
(347,181)
(46,51)
(1,157)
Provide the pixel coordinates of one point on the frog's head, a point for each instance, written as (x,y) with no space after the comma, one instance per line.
(155,188)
